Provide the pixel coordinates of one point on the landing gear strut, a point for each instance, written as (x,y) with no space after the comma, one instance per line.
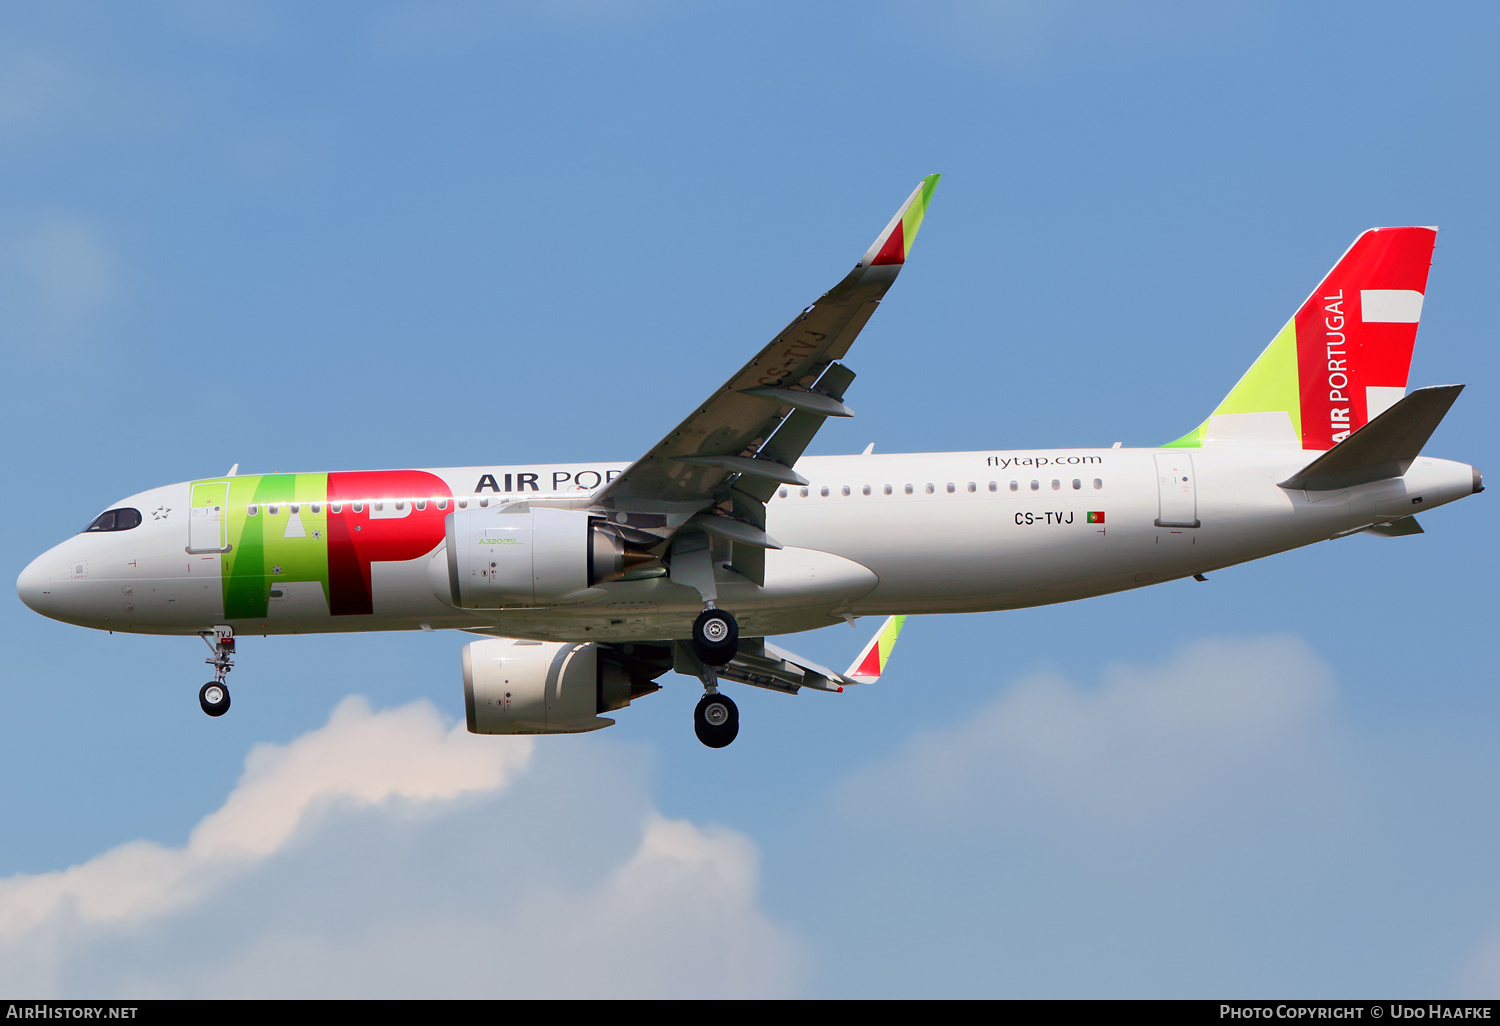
(716,721)
(214,696)
(715,640)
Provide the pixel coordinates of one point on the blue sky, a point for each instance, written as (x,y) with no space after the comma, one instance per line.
(432,234)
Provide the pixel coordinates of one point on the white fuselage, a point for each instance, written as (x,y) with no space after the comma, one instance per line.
(875,534)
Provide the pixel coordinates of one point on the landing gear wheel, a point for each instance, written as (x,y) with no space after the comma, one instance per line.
(214,697)
(716,721)
(716,637)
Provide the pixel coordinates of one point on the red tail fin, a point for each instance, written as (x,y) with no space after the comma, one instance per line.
(1356,331)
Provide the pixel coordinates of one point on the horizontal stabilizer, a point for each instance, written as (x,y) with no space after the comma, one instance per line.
(1397,528)
(1383,448)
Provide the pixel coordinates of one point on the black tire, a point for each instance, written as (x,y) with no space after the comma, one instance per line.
(214,697)
(716,721)
(716,637)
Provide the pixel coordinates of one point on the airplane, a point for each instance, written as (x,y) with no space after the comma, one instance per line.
(587,582)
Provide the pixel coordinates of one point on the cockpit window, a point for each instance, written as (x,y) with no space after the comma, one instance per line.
(115,520)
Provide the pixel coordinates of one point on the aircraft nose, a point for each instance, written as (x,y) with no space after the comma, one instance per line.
(33,586)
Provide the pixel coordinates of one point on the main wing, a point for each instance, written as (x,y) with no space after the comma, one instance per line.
(740,444)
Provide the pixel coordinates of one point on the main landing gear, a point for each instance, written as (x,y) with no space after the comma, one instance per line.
(716,721)
(716,639)
(214,696)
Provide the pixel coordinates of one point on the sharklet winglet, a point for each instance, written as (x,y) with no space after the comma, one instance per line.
(871,661)
(893,246)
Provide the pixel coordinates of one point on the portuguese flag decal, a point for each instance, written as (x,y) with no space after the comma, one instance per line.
(1096,518)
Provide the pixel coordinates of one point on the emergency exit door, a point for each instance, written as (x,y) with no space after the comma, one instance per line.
(1176,490)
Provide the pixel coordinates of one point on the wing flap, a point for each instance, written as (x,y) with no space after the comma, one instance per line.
(763,665)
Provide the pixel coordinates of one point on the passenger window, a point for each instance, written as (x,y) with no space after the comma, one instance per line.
(379,506)
(973,487)
(295,507)
(1056,484)
(823,491)
(887,489)
(463,503)
(908,489)
(335,507)
(803,492)
(442,504)
(252,510)
(930,489)
(400,504)
(315,507)
(273,510)
(845,490)
(865,489)
(1098,483)
(421,504)
(359,507)
(484,502)
(782,493)
(1015,486)
(1036,485)
(1077,484)
(951,489)
(994,486)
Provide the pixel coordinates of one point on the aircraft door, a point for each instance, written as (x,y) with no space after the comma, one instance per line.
(1176,490)
(207,524)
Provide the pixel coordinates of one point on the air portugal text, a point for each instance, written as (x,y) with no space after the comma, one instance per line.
(1338,369)
(528,481)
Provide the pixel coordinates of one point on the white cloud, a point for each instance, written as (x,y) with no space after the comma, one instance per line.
(1152,833)
(387,854)
(360,757)
(1146,744)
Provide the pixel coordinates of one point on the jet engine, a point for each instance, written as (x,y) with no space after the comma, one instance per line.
(518,555)
(551,687)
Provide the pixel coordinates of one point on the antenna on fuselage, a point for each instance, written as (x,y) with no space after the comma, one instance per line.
(233,470)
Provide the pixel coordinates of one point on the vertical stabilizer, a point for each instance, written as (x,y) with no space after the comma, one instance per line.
(1341,360)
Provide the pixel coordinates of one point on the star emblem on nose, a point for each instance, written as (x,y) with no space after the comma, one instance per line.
(160,512)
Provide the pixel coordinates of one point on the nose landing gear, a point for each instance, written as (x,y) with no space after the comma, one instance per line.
(214,696)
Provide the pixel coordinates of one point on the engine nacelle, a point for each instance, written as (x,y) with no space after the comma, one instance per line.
(517,555)
(543,687)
